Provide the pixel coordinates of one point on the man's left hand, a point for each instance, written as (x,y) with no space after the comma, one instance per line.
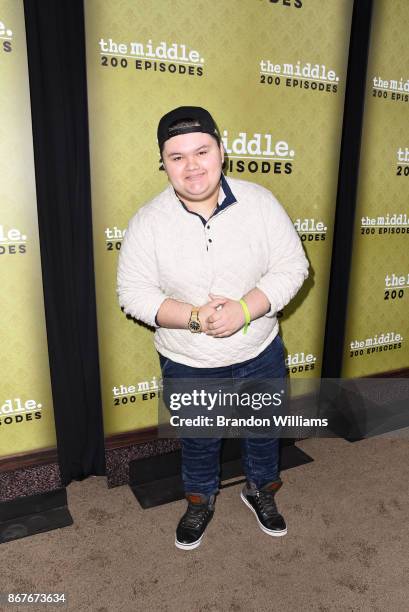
(226,321)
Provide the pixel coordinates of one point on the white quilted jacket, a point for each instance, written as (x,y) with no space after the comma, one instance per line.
(168,252)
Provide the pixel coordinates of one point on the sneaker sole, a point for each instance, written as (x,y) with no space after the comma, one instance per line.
(276,534)
(182,546)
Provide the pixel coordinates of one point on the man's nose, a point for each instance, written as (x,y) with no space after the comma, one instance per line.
(191,161)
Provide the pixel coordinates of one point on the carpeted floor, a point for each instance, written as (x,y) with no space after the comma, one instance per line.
(347,546)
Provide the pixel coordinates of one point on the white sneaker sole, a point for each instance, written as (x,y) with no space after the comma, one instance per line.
(276,534)
(188,546)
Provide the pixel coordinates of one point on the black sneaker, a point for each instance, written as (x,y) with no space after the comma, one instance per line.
(262,503)
(192,525)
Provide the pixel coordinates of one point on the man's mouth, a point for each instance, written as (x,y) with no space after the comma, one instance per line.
(195,177)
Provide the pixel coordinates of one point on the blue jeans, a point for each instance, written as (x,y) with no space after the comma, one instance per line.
(201,456)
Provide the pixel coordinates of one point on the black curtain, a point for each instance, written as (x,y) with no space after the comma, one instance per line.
(56,59)
(347,187)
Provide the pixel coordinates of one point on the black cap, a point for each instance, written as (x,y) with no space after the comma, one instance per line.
(200,117)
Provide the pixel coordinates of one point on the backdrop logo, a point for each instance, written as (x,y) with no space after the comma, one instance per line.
(170,58)
(300,362)
(395,286)
(313,77)
(18,411)
(145,389)
(6,38)
(257,153)
(402,163)
(390,89)
(12,241)
(113,238)
(384,225)
(385,341)
(291,3)
(311,230)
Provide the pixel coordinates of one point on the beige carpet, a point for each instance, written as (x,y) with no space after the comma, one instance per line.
(347,548)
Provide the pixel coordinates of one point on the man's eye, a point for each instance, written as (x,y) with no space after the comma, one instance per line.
(176,158)
(202,152)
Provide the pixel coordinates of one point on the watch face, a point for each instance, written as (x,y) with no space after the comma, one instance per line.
(194,326)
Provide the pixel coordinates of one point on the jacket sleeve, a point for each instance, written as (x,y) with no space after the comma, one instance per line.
(138,287)
(287,265)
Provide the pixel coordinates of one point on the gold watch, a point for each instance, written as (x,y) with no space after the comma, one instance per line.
(194,324)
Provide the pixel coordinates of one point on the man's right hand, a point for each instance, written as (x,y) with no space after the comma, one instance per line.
(173,314)
(208,309)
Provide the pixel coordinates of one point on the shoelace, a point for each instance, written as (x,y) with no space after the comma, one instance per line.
(267,503)
(195,515)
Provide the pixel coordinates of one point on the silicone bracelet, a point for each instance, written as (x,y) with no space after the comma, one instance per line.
(247,317)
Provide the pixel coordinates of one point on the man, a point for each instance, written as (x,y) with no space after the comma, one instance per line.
(209,262)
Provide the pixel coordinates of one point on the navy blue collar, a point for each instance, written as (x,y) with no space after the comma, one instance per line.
(228,194)
(227,200)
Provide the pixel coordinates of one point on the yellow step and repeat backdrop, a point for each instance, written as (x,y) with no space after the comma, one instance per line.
(26,409)
(273,76)
(377,332)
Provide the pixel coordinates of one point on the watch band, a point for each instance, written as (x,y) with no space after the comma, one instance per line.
(194,324)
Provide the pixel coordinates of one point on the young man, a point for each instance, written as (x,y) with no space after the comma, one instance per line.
(208,263)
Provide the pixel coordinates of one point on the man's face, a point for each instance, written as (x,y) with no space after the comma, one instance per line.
(193,163)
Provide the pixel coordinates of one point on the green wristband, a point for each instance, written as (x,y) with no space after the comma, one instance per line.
(247,317)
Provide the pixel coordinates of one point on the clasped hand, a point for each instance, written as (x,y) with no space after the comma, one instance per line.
(221,322)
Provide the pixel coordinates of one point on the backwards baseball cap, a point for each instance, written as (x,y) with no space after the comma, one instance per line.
(184,120)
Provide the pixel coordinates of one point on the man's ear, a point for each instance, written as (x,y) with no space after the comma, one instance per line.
(222,152)
(162,165)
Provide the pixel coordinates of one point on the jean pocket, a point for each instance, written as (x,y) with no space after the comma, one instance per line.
(164,362)
(279,340)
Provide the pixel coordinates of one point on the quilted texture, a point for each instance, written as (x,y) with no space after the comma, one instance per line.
(167,252)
